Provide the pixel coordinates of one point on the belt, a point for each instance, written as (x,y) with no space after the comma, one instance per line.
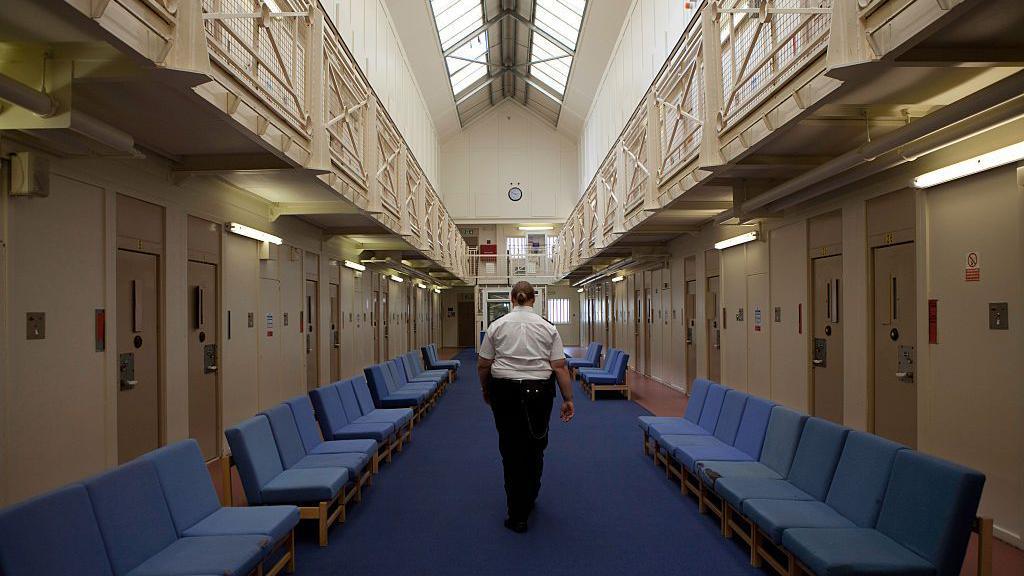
(529,381)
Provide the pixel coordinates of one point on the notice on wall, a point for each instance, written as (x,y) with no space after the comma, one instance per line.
(757,318)
(972,267)
(270,324)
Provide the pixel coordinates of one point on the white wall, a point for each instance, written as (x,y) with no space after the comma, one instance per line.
(367,29)
(651,30)
(509,144)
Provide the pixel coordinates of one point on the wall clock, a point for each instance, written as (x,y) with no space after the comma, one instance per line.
(515,193)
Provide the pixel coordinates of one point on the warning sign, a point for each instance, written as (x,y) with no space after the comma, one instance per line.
(757,319)
(972,267)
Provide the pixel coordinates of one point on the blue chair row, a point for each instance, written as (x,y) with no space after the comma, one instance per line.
(611,376)
(391,387)
(433,362)
(830,500)
(345,411)
(592,359)
(155,516)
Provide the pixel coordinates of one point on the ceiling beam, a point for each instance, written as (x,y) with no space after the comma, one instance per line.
(279,209)
(478,31)
(358,231)
(960,57)
(534,84)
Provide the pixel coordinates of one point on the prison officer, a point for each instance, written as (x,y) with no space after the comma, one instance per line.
(521,358)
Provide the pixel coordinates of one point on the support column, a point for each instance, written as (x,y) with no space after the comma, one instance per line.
(848,40)
(711,46)
(371,158)
(619,225)
(653,136)
(189,51)
(402,186)
(316,102)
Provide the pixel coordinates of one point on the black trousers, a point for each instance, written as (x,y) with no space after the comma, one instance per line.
(522,409)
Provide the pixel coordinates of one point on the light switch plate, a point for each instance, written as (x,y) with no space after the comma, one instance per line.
(35,325)
(998,316)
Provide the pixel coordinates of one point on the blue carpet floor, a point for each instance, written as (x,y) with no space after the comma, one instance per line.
(603,510)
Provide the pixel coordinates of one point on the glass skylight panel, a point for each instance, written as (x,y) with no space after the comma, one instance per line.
(561,18)
(456,19)
(468,64)
(552,64)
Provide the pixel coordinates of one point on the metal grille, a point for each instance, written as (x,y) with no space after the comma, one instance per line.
(592,229)
(346,112)
(265,53)
(607,176)
(763,45)
(681,106)
(413,181)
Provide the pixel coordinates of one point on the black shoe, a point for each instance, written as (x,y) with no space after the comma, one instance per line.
(517,526)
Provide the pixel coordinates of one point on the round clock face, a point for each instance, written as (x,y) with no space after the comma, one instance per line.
(515,194)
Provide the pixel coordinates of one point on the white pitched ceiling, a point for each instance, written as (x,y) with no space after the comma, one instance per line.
(468,55)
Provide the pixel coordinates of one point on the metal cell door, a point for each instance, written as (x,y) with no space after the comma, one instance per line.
(385,325)
(690,327)
(312,336)
(203,358)
(374,326)
(335,334)
(827,334)
(648,328)
(895,383)
(272,387)
(638,321)
(714,330)
(138,352)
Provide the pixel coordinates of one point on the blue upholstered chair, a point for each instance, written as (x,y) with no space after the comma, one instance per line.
(400,417)
(698,392)
(590,359)
(317,491)
(334,422)
(293,452)
(923,526)
(309,432)
(613,379)
(433,362)
(195,508)
(140,536)
(415,371)
(400,382)
(854,497)
(780,441)
(606,368)
(688,448)
(810,474)
(713,399)
(54,533)
(380,383)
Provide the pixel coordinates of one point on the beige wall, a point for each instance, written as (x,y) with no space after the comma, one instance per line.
(57,395)
(970,392)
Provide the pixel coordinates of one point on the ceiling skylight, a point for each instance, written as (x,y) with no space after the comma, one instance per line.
(465,55)
(558,25)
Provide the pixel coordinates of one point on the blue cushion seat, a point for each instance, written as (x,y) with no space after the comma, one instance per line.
(853,551)
(658,431)
(354,463)
(399,417)
(263,475)
(293,452)
(402,383)
(736,489)
(195,508)
(309,432)
(606,368)
(589,359)
(775,516)
(694,405)
(229,555)
(433,362)
(615,376)
(377,377)
(688,456)
(778,447)
(335,424)
(140,536)
(727,469)
(54,533)
(379,431)
(416,369)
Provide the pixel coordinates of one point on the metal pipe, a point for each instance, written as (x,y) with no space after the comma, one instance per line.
(103,133)
(962,109)
(39,103)
(978,124)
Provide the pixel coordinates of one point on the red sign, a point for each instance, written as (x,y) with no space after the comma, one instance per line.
(933,321)
(972,275)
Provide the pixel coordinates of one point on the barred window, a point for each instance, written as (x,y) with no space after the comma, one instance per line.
(558,310)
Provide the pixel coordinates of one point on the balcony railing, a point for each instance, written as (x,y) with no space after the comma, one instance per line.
(680,96)
(536,266)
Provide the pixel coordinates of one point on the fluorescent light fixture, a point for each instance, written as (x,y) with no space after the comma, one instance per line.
(537,228)
(355,265)
(421,286)
(736,240)
(397,278)
(437,290)
(243,230)
(580,290)
(618,278)
(993,159)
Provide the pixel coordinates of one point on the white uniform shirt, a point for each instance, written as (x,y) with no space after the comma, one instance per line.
(522,345)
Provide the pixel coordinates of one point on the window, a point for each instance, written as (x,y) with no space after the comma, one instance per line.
(558,25)
(558,310)
(456,22)
(515,245)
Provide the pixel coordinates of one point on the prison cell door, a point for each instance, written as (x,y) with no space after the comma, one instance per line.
(638,322)
(203,343)
(827,334)
(312,336)
(648,328)
(690,322)
(385,321)
(138,352)
(335,334)
(375,326)
(713,329)
(271,346)
(895,383)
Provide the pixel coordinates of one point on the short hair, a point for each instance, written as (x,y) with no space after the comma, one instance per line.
(522,293)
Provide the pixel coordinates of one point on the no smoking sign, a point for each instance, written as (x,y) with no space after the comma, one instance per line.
(972,270)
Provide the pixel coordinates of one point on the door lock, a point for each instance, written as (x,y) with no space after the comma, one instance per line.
(126,371)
